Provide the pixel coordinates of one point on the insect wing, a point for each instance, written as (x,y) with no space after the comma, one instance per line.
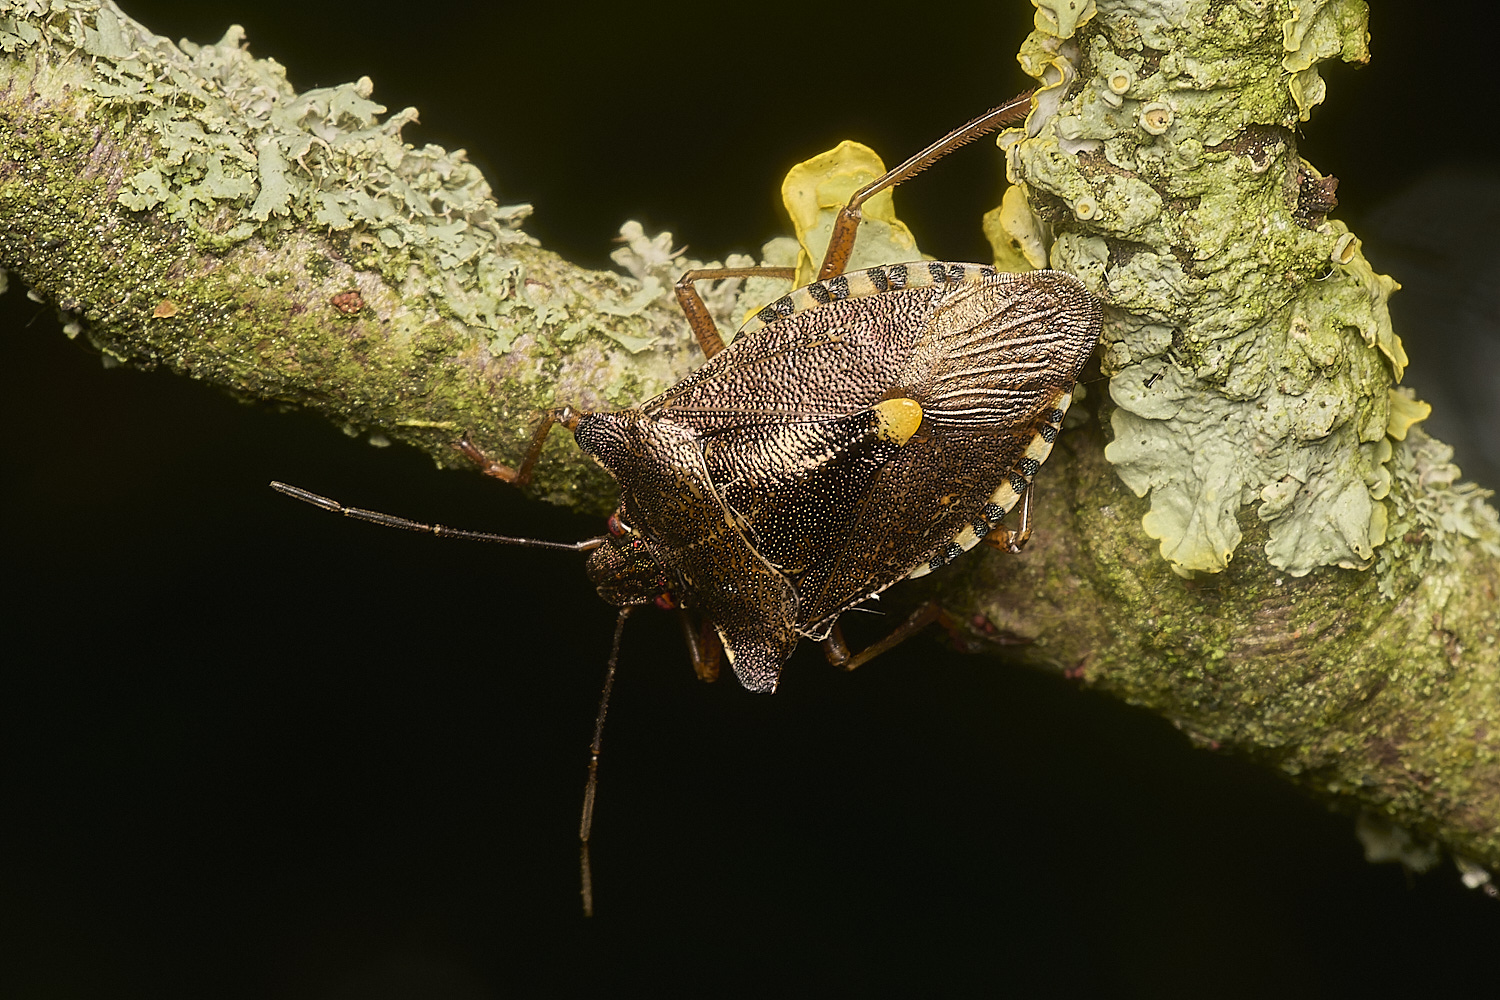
(823,362)
(783,417)
(797,486)
(993,370)
(785,422)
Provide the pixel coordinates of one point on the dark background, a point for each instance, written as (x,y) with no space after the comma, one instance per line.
(251,750)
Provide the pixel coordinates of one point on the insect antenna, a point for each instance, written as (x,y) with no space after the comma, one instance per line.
(586,823)
(441,531)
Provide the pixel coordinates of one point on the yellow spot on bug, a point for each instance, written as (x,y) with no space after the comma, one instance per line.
(164,309)
(899,419)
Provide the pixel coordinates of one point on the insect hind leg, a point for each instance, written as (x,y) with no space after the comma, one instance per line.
(846,225)
(837,650)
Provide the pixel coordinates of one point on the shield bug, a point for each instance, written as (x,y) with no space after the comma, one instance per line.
(868,427)
(865,428)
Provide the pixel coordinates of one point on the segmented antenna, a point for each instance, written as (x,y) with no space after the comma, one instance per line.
(586,824)
(441,531)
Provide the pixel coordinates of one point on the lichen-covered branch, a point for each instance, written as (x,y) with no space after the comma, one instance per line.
(1252,370)
(185,207)
(1322,591)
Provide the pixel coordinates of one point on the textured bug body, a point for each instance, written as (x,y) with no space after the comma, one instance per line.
(862,429)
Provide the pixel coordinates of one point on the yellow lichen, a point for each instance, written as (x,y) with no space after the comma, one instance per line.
(1406,410)
(1063,17)
(1015,235)
(816,189)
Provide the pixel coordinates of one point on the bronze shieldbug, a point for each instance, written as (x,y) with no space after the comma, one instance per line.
(866,428)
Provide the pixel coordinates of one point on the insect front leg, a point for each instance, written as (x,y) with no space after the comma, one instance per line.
(567,416)
(697,313)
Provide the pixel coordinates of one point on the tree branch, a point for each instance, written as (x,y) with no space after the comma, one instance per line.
(186,208)
(189,209)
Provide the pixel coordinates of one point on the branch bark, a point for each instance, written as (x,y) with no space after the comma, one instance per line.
(187,208)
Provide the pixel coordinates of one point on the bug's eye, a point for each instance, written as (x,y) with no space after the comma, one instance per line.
(616,526)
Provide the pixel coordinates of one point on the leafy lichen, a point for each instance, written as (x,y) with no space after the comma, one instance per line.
(816,189)
(303,227)
(1247,367)
(1435,512)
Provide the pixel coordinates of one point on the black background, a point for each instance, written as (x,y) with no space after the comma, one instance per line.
(250,750)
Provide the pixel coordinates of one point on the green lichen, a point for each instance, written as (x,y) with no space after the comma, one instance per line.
(1314,30)
(1435,512)
(252,208)
(1249,365)
(237,146)
(1063,17)
(240,154)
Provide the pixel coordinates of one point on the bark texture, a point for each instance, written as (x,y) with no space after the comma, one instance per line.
(185,207)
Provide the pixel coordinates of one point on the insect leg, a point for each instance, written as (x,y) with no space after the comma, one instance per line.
(841,243)
(704,647)
(1014,540)
(567,416)
(697,313)
(838,653)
